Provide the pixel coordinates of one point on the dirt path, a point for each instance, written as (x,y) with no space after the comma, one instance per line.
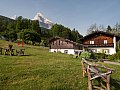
(109,62)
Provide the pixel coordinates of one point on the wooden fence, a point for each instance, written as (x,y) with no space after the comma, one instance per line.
(96,73)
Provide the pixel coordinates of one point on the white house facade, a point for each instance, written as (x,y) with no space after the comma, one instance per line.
(101,42)
(66,46)
(67,51)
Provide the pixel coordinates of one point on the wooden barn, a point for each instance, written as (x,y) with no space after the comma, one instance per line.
(58,44)
(100,42)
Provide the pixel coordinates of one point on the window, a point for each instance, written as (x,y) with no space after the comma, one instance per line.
(106,51)
(62,42)
(56,42)
(94,50)
(59,42)
(105,41)
(66,51)
(53,42)
(76,52)
(91,42)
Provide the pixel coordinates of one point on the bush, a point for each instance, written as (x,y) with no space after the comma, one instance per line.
(98,56)
(95,56)
(85,55)
(115,57)
(75,56)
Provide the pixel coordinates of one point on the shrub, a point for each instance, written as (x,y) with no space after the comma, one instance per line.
(115,57)
(95,56)
(75,56)
(98,56)
(85,55)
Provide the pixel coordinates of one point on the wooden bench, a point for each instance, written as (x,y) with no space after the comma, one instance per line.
(20,52)
(9,52)
(6,51)
(12,52)
(94,71)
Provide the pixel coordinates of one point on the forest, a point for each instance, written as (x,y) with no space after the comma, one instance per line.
(29,31)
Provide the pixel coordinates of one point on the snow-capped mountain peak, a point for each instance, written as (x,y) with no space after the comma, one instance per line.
(14,17)
(44,22)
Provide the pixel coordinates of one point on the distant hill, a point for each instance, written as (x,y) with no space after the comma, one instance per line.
(5,19)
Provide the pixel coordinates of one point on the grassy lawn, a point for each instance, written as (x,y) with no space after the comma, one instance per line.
(41,70)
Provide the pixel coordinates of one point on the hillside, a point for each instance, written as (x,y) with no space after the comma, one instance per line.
(5,19)
(41,70)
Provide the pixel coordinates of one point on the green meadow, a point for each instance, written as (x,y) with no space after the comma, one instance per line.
(41,70)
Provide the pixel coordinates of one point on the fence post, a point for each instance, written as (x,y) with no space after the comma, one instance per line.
(89,79)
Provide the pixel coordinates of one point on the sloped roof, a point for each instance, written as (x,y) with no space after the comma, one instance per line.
(101,32)
(67,40)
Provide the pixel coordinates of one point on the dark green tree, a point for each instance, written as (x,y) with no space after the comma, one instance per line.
(29,35)
(35,26)
(109,29)
(57,30)
(61,31)
(64,32)
(2,26)
(25,23)
(76,37)
(11,26)
(12,36)
(19,23)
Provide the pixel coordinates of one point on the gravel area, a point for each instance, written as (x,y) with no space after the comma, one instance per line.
(115,63)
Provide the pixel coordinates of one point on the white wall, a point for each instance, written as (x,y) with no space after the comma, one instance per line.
(114,41)
(70,51)
(112,50)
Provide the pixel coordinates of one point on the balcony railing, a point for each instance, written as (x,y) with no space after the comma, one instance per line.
(99,45)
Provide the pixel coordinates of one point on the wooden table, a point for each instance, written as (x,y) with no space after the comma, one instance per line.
(12,52)
(9,52)
(20,52)
(6,51)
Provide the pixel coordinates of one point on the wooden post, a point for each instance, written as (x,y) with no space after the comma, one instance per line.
(83,69)
(89,79)
(108,82)
(93,72)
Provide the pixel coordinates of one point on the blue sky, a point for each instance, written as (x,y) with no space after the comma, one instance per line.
(79,14)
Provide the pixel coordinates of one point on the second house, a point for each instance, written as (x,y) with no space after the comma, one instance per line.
(58,44)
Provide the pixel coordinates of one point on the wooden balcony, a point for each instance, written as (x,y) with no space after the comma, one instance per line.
(99,45)
(61,47)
